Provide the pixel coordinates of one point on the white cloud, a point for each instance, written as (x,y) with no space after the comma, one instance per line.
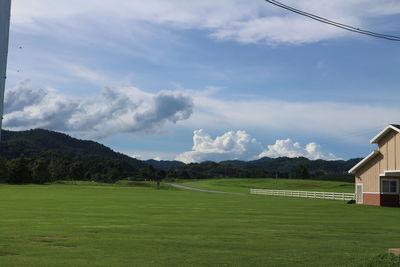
(240,145)
(116,110)
(334,120)
(288,148)
(277,29)
(231,145)
(146,155)
(87,74)
(246,21)
(130,110)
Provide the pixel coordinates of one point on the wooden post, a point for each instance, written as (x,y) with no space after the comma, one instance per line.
(5,7)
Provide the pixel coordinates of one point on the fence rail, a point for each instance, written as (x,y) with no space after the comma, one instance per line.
(305,194)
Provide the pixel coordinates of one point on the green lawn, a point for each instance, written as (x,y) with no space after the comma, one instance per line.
(83,225)
(244,185)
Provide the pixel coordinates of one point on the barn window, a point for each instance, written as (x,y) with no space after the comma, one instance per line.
(389,186)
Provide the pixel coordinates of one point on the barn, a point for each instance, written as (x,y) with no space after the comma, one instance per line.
(377,175)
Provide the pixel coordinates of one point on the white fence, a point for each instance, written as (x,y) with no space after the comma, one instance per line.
(305,194)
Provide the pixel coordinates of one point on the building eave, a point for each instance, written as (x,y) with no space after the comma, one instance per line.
(363,161)
(389,128)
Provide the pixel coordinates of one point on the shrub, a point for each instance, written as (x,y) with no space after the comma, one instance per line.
(383,260)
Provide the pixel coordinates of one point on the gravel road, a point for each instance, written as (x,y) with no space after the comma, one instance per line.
(201,190)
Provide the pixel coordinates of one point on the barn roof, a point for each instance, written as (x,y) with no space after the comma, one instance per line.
(390,127)
(375,140)
(363,161)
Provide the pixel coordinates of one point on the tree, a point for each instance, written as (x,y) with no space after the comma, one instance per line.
(301,171)
(40,171)
(150,173)
(76,171)
(160,175)
(3,170)
(19,172)
(58,169)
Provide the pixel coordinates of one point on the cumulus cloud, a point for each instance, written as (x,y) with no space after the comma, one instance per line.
(246,21)
(288,148)
(116,110)
(307,118)
(240,145)
(231,145)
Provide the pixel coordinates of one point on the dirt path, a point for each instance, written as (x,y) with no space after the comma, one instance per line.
(201,190)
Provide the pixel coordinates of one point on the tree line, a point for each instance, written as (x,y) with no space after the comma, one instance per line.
(42,156)
(297,169)
(26,170)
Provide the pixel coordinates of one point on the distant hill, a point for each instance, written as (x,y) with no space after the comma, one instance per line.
(285,164)
(39,143)
(283,167)
(164,164)
(48,156)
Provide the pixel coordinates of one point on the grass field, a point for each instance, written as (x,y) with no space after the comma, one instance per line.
(84,225)
(244,185)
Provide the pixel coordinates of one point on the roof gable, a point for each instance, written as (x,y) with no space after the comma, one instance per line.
(391,127)
(363,161)
(375,140)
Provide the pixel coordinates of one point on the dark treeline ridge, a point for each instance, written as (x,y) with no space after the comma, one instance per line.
(300,168)
(42,156)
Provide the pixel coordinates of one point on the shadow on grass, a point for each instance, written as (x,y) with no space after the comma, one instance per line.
(382,260)
(120,183)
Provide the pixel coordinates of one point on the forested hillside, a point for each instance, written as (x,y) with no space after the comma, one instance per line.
(48,144)
(164,164)
(283,167)
(39,156)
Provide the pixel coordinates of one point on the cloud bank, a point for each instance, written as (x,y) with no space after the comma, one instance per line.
(244,21)
(303,118)
(240,145)
(116,110)
(231,145)
(131,110)
(288,148)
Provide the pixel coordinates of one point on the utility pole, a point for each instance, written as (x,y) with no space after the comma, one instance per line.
(5,15)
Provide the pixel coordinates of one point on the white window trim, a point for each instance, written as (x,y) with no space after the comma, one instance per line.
(362,194)
(390,180)
(390,173)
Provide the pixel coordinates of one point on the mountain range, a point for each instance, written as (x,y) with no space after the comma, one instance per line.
(46,144)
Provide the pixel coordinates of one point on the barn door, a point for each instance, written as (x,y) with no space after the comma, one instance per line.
(359,193)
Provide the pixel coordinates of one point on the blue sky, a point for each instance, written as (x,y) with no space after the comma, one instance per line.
(203,80)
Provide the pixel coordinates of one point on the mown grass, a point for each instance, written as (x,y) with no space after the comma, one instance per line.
(69,225)
(120,183)
(244,185)
(383,260)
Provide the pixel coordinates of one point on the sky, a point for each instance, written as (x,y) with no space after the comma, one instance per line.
(205,80)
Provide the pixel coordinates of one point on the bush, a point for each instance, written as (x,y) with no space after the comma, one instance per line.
(383,260)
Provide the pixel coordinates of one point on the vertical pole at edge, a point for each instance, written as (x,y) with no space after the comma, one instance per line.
(5,15)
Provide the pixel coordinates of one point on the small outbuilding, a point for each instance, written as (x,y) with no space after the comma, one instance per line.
(377,175)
